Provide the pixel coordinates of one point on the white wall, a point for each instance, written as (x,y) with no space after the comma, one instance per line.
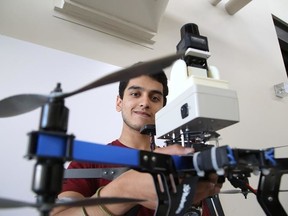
(244,47)
(30,68)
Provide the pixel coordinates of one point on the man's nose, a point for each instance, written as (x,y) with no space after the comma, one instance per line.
(145,102)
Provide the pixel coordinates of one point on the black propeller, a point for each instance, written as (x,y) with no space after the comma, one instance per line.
(19,104)
(22,103)
(235,191)
(9,203)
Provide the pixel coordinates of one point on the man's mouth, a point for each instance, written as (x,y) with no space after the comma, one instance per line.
(144,114)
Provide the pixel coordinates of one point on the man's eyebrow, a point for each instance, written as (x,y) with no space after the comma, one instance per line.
(135,87)
(143,89)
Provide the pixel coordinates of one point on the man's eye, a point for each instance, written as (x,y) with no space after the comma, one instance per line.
(156,99)
(134,94)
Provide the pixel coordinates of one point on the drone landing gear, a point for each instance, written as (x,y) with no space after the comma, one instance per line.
(268,189)
(174,199)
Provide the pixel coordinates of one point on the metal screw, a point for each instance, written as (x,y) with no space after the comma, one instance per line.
(145,158)
(270,199)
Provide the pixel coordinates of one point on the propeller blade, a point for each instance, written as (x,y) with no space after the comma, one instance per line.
(95,201)
(19,104)
(239,191)
(9,203)
(231,191)
(149,67)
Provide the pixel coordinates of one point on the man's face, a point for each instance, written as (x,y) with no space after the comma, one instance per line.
(142,98)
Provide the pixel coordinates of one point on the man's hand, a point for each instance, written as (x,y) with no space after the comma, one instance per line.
(140,185)
(205,188)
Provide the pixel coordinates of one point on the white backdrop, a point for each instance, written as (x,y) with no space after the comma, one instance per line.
(244,47)
(29,68)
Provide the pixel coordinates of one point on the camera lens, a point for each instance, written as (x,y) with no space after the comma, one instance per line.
(189,28)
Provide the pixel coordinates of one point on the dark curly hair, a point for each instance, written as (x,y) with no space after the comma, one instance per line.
(160,77)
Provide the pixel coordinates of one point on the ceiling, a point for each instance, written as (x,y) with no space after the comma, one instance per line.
(134,20)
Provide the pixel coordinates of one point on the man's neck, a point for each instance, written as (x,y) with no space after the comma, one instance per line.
(134,139)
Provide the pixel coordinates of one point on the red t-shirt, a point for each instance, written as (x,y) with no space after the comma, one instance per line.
(88,187)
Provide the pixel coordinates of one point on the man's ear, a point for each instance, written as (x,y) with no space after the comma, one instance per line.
(118,104)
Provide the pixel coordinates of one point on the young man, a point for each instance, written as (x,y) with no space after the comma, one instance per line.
(138,101)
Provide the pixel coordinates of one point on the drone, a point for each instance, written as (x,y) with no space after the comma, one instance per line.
(51,146)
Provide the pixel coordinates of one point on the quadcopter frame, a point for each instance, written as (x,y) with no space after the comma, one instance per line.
(51,146)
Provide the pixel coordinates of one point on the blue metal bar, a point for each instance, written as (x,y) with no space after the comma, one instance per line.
(51,145)
(98,153)
(56,145)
